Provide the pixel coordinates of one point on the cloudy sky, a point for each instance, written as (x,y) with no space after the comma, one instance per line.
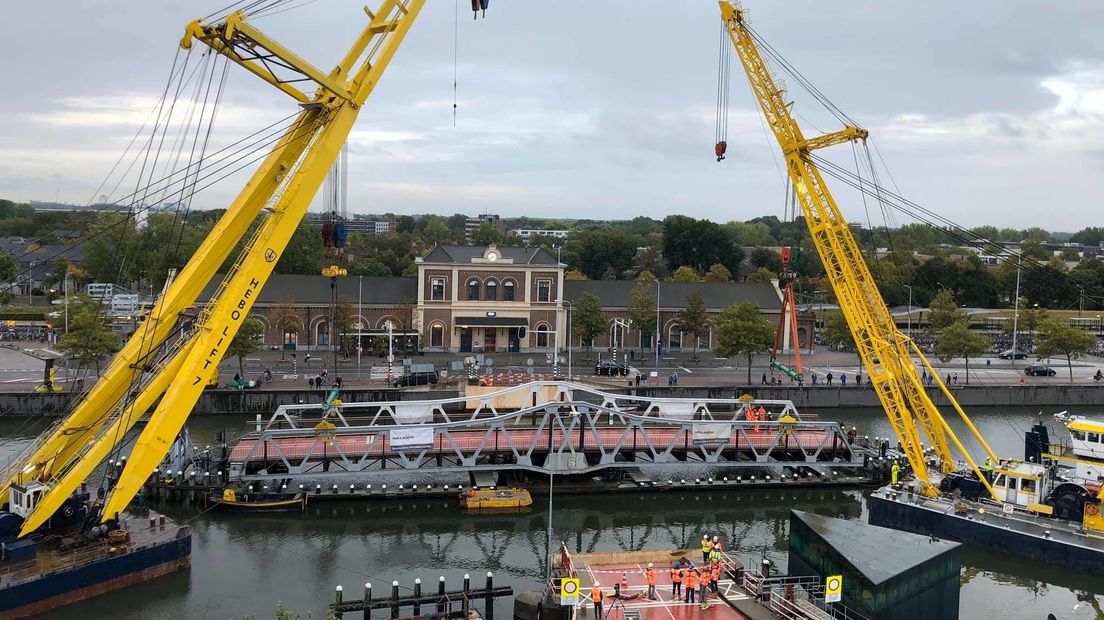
(987,112)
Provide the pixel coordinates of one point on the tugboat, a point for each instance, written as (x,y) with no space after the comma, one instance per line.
(483,499)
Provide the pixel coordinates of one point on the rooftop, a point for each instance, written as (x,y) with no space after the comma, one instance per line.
(879,553)
(617,293)
(453,254)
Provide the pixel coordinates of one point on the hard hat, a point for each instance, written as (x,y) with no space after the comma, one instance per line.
(649,564)
(705,536)
(597,584)
(714,538)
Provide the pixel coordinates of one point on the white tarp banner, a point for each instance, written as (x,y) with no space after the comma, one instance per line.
(712,435)
(413,413)
(411,438)
(674,409)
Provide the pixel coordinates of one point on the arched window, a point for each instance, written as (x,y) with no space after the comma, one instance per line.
(617,336)
(703,340)
(544,332)
(490,290)
(437,335)
(674,339)
(473,290)
(322,333)
(508,290)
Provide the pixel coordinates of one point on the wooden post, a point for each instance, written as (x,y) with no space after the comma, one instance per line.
(488,599)
(367,601)
(441,594)
(337,600)
(394,599)
(417,594)
(467,588)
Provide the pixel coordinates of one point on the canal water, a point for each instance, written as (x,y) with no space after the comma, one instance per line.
(242,565)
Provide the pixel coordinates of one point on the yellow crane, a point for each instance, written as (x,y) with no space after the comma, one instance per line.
(885,351)
(265,213)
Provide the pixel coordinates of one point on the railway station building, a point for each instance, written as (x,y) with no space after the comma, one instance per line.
(488,299)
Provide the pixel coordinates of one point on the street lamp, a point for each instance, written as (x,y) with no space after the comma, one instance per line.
(659,331)
(909,311)
(570,308)
(551,464)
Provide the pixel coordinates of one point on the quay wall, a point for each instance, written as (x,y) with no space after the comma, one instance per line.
(265,401)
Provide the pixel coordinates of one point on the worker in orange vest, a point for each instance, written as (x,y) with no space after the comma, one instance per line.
(703,583)
(676,580)
(691,585)
(715,576)
(596,596)
(651,582)
(761,416)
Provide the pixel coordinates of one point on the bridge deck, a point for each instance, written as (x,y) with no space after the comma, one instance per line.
(378,444)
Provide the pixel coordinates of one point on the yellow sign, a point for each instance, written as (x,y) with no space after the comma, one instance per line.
(833,589)
(569,591)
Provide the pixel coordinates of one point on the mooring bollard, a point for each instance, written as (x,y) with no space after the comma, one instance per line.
(467,588)
(367,601)
(394,599)
(488,598)
(337,599)
(441,594)
(417,594)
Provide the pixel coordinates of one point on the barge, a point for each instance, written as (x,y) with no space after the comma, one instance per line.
(75,558)
(1050,508)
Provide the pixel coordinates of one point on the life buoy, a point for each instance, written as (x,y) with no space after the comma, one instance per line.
(1092,509)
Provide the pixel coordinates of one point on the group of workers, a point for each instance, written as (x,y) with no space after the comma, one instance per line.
(698,580)
(757,415)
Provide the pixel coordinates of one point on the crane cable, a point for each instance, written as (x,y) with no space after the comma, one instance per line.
(724,63)
(455,57)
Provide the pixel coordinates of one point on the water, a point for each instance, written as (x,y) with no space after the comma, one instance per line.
(242,565)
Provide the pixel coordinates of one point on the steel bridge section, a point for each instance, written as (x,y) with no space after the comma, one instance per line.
(566,436)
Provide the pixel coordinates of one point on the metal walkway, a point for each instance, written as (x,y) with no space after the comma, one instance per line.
(543,427)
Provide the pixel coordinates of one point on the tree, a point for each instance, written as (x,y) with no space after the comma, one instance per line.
(718,273)
(587,319)
(1059,338)
(684,274)
(344,317)
(741,329)
(286,318)
(698,244)
(693,318)
(248,340)
(1091,235)
(601,252)
(7,267)
(436,231)
(958,340)
(760,276)
(487,234)
(766,258)
(89,337)
(1032,318)
(304,251)
(837,332)
(574,274)
(642,309)
(943,311)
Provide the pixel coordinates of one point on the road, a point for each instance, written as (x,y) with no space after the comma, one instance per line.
(19,371)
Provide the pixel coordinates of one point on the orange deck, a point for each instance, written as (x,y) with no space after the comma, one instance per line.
(664,608)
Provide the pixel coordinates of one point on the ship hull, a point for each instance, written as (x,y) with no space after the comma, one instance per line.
(64,587)
(1061,547)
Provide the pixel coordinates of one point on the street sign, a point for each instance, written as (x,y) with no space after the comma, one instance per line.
(569,591)
(529,362)
(833,589)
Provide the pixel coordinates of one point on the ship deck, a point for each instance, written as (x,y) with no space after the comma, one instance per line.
(49,559)
(1020,521)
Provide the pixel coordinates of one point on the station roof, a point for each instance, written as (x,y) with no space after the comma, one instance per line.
(304,289)
(452,254)
(716,295)
(878,553)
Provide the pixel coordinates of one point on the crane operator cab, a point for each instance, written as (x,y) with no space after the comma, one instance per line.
(24,498)
(1019,483)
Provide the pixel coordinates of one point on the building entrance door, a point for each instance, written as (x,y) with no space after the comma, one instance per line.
(513,342)
(466,340)
(490,335)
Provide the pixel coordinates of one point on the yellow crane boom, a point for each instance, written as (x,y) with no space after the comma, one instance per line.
(885,351)
(274,201)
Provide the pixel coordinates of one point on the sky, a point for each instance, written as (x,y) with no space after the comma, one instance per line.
(985,112)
